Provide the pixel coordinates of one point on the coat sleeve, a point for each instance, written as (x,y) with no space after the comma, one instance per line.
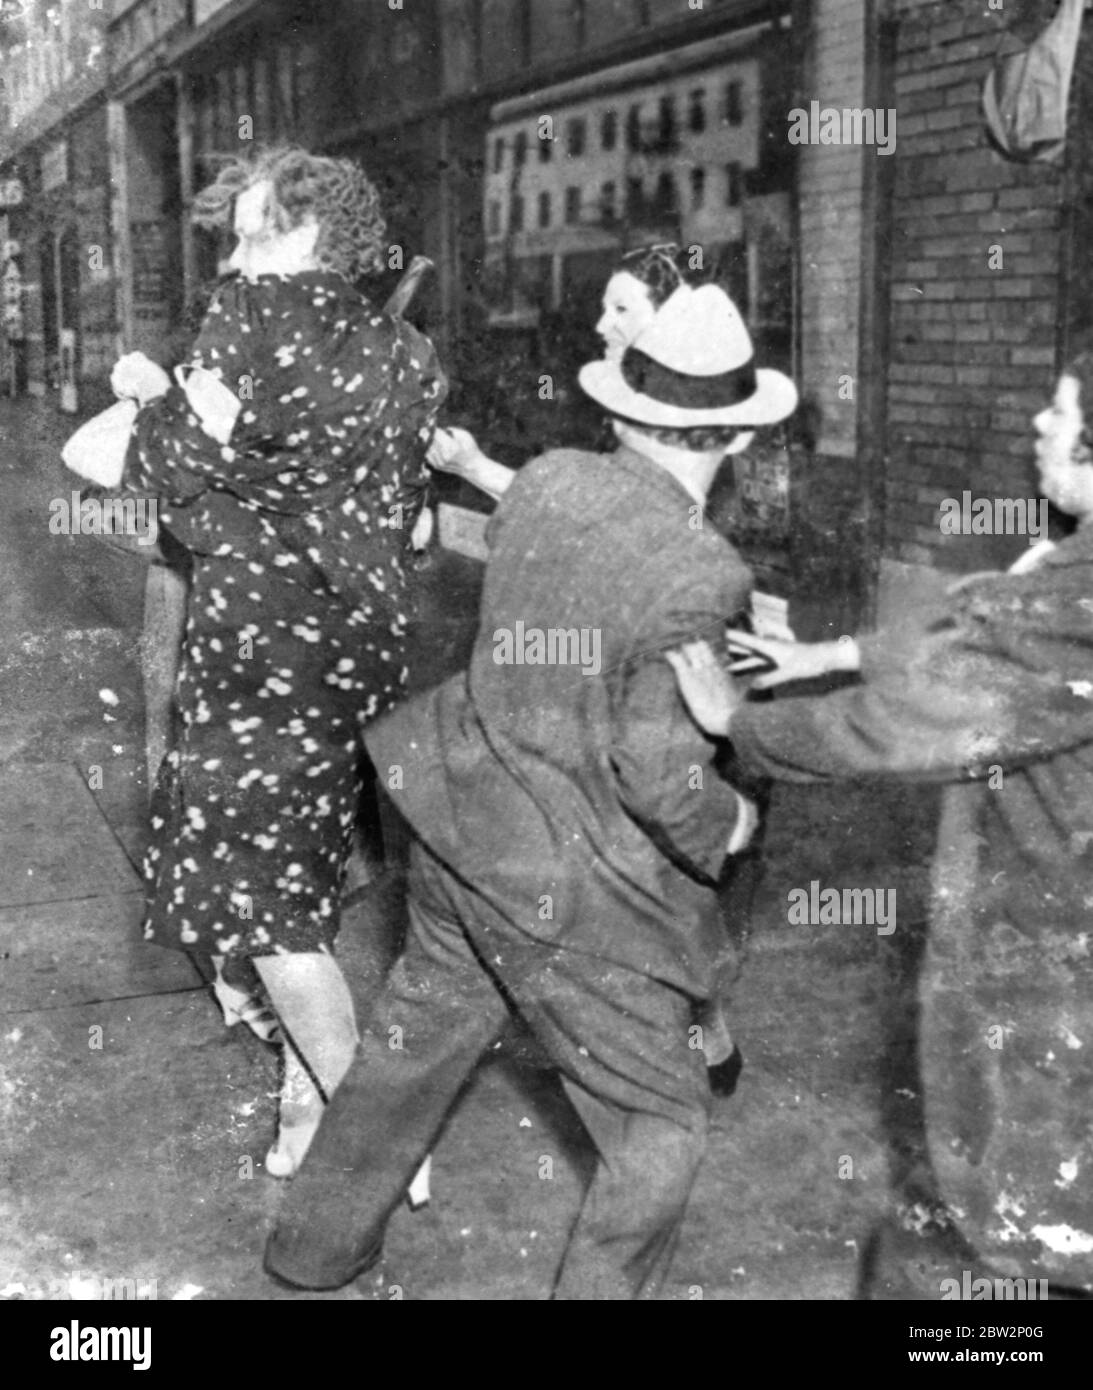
(664,766)
(1005,680)
(285,450)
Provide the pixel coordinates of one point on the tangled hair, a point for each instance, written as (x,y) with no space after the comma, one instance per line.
(656,267)
(697,439)
(1079,365)
(335,192)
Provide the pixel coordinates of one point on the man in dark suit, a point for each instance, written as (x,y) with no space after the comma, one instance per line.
(571,826)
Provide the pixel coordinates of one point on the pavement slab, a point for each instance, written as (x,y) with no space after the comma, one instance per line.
(54,843)
(55,955)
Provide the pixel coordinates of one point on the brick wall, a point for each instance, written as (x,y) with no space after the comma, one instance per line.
(972,349)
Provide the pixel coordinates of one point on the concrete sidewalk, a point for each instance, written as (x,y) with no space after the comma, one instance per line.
(133,1124)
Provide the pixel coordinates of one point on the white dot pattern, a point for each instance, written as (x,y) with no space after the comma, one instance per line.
(298,609)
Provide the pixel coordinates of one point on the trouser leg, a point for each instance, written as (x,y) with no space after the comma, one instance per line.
(436,1014)
(623,1042)
(630,1222)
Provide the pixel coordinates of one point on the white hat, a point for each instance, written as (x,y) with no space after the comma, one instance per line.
(692,365)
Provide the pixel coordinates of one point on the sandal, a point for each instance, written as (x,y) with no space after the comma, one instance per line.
(240,1006)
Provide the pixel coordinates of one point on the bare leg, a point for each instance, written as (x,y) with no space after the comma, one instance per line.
(313,1003)
(312,1000)
(164,624)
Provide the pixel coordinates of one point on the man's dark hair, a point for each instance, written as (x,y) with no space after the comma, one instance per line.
(699,439)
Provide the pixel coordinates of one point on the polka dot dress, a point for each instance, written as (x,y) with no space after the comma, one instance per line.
(298,609)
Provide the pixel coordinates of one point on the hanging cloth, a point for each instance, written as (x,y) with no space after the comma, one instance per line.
(1025,96)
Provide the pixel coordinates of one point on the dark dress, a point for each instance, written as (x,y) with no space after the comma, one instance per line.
(299,605)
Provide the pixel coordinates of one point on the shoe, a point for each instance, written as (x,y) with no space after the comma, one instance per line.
(293,1142)
(723,1076)
(365,1265)
(238,1006)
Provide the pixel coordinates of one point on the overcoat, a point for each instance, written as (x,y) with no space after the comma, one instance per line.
(996,688)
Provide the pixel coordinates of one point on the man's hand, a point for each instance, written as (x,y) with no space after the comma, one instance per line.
(708,691)
(138,378)
(454,451)
(799,661)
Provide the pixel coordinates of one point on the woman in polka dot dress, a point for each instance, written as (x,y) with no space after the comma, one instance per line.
(296,491)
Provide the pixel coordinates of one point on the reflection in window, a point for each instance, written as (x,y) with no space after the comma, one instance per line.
(516,213)
(734,184)
(609,129)
(665,201)
(633,130)
(520,148)
(666,130)
(572,205)
(696,115)
(544,209)
(734,103)
(575,137)
(698,187)
(498,154)
(493,219)
(607,202)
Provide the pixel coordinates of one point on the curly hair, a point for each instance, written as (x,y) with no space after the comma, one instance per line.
(336,192)
(1079,365)
(655,267)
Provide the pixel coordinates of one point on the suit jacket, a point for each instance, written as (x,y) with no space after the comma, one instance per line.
(574,794)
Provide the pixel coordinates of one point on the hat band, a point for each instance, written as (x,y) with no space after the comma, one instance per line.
(648,377)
